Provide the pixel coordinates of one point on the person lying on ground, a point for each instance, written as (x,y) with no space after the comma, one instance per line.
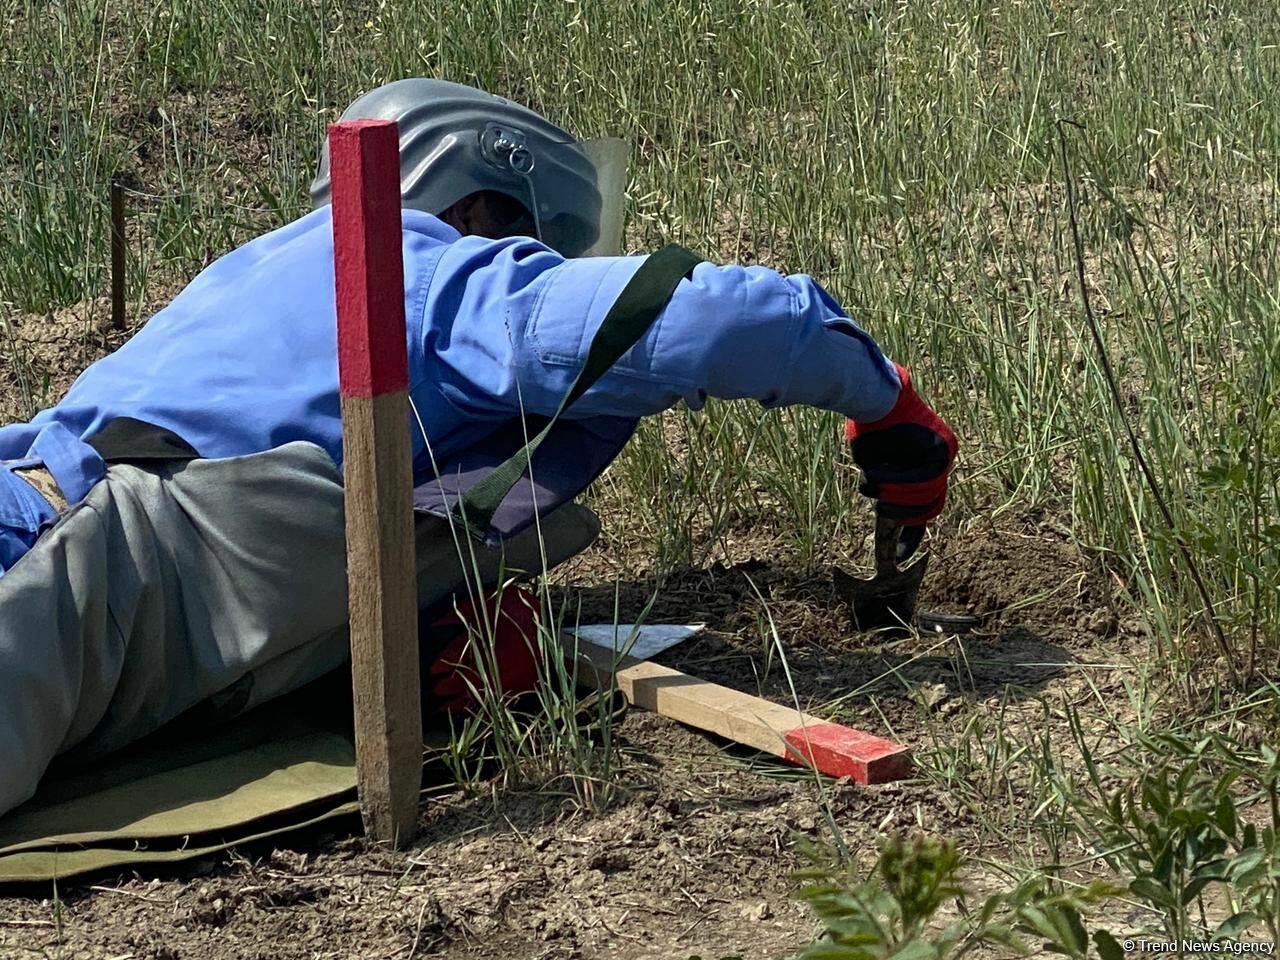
(505,218)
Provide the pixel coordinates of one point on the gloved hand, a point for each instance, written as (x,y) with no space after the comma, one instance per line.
(448,658)
(905,458)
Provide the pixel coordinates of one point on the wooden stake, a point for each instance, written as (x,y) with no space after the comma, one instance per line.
(377,474)
(830,748)
(117,255)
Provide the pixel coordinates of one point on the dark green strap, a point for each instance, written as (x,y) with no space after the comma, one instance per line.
(639,304)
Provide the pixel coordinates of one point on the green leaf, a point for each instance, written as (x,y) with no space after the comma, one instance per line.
(1034,918)
(1213,849)
(1108,948)
(1229,778)
(915,950)
(1004,935)
(1155,796)
(1192,889)
(1233,926)
(1213,870)
(949,937)
(989,907)
(837,951)
(1163,867)
(1186,818)
(1245,862)
(1115,808)
(1073,935)
(1153,892)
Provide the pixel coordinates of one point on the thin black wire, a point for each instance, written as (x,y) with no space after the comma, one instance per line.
(1105,359)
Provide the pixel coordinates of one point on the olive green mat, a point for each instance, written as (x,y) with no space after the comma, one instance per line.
(187,792)
(200,786)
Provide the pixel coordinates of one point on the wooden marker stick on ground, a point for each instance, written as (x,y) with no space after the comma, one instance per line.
(364,161)
(830,748)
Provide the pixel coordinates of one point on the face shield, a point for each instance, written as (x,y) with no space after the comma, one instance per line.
(576,191)
(609,157)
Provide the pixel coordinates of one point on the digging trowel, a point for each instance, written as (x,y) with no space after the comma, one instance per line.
(887,600)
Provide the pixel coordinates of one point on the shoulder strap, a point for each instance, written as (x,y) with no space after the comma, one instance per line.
(639,304)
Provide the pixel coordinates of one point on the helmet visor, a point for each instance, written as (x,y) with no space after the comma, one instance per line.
(609,157)
(576,192)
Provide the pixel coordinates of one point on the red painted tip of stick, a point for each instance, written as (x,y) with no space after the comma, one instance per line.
(364,157)
(840,751)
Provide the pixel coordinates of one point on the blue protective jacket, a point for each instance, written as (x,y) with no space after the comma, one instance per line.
(245,358)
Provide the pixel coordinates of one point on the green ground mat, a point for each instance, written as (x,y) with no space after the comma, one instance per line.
(198,787)
(184,793)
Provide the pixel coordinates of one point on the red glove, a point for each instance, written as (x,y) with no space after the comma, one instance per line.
(905,458)
(449,673)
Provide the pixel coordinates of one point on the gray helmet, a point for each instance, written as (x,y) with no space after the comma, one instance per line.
(456,140)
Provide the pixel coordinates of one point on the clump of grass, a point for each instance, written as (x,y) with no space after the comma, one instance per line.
(561,736)
(899,908)
(1173,823)
(1181,826)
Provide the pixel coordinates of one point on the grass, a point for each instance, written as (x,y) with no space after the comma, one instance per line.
(907,155)
(552,739)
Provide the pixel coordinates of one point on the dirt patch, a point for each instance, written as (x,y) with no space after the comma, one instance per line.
(695,860)
(1027,574)
(1025,578)
(44,353)
(779,631)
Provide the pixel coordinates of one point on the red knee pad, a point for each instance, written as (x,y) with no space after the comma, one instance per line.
(450,643)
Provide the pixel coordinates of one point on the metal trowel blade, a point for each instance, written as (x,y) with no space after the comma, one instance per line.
(887,600)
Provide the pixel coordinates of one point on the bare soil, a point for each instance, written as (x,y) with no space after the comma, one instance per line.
(44,353)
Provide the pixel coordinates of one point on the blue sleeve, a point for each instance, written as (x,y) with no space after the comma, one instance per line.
(23,513)
(508,326)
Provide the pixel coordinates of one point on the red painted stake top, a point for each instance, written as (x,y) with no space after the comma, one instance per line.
(841,751)
(364,165)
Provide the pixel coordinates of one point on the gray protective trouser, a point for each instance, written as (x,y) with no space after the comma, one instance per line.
(172,584)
